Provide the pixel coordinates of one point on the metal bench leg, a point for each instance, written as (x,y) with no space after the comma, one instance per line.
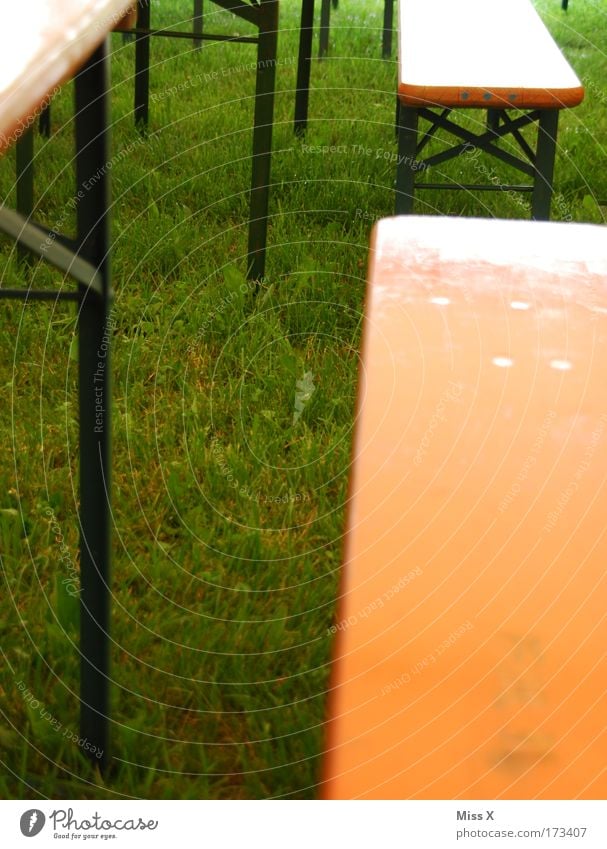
(94,332)
(25,172)
(544,164)
(493,119)
(325,23)
(262,138)
(407,151)
(142,66)
(197,20)
(44,122)
(24,166)
(386,50)
(304,65)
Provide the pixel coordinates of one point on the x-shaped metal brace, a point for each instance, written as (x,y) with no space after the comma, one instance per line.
(538,164)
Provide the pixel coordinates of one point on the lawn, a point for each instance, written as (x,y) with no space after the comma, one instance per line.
(233,410)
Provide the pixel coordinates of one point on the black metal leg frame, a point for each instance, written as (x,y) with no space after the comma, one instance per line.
(325,22)
(86,259)
(304,64)
(538,164)
(264,15)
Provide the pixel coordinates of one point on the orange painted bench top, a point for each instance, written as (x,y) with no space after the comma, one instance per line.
(470,657)
(481,53)
(42,43)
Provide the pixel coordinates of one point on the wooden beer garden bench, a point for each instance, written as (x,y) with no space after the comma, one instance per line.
(40,52)
(465,55)
(469,657)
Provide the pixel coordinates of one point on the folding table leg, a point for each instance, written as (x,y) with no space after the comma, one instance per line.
(262,137)
(544,164)
(386,51)
(407,151)
(25,172)
(94,332)
(304,64)
(44,122)
(24,166)
(197,22)
(325,23)
(142,66)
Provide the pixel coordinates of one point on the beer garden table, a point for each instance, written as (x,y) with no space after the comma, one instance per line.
(43,44)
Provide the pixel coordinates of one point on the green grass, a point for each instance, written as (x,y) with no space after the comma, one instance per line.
(228,512)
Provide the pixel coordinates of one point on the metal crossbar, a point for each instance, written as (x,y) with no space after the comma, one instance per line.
(514,130)
(246,11)
(483,141)
(429,134)
(194,36)
(538,164)
(38,295)
(35,238)
(476,187)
